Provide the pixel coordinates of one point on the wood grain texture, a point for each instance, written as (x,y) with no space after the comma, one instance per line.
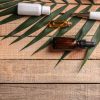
(49,92)
(43,71)
(20,67)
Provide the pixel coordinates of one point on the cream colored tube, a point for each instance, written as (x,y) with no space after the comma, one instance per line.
(94,15)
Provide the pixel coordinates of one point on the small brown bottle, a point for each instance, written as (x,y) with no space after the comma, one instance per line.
(68,44)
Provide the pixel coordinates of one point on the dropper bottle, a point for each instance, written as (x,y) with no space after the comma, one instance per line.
(88,15)
(68,44)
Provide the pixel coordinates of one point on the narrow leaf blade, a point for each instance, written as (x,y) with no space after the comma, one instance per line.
(61,32)
(40,24)
(62,57)
(11,10)
(48,30)
(4,1)
(10,18)
(24,25)
(9,4)
(95,38)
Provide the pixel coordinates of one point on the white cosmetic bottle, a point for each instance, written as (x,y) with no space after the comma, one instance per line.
(32,9)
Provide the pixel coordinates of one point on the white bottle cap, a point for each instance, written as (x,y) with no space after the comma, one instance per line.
(46,10)
(29,9)
(95,15)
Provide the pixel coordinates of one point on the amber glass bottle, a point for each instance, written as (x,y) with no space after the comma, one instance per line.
(68,44)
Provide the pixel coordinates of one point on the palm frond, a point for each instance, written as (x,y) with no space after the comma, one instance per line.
(40,24)
(85,29)
(74,20)
(4,1)
(78,1)
(9,4)
(24,25)
(82,32)
(65,1)
(96,38)
(27,23)
(48,30)
(53,1)
(47,43)
(62,31)
(10,18)
(62,57)
(11,10)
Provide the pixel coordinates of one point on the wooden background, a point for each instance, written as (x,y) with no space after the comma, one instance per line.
(20,67)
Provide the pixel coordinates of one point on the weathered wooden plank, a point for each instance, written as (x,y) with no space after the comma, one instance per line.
(13,51)
(33,71)
(44,71)
(50,91)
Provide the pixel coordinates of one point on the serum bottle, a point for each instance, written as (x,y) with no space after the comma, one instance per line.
(68,44)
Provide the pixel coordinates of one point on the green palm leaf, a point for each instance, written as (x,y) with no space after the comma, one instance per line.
(10,10)
(82,32)
(25,24)
(85,29)
(62,31)
(40,24)
(9,4)
(48,30)
(74,20)
(65,1)
(47,43)
(53,1)
(78,1)
(63,56)
(10,18)
(95,38)
(4,1)
(10,7)
(92,1)
(77,37)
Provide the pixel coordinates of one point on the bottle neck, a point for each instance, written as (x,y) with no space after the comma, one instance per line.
(84,44)
(82,15)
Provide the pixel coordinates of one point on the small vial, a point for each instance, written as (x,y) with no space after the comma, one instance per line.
(89,15)
(32,9)
(68,44)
